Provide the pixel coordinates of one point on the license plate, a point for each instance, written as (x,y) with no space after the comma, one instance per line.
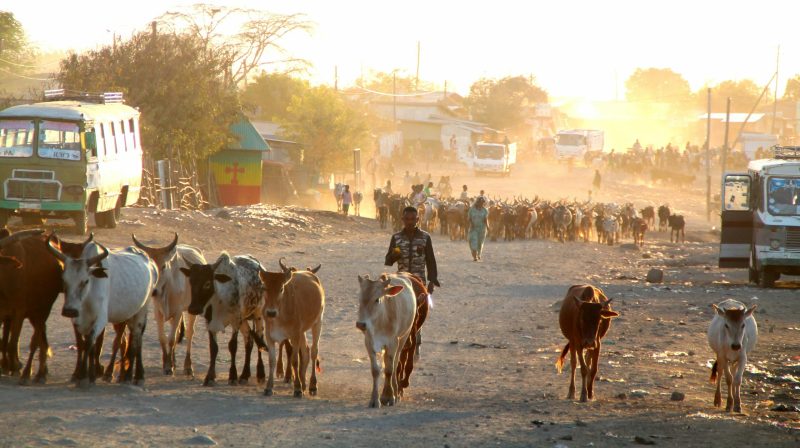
(30,205)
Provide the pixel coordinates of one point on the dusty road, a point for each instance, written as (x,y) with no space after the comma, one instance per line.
(487,374)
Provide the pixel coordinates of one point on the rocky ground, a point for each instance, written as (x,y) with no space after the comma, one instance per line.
(487,374)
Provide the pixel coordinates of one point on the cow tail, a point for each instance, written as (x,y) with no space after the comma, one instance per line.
(318,365)
(560,360)
(713,378)
(182,331)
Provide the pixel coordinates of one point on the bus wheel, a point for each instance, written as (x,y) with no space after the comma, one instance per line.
(81,219)
(767,278)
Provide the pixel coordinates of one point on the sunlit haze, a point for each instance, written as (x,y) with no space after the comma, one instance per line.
(574,48)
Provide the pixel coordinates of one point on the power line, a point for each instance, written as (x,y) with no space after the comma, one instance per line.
(17,64)
(399,95)
(26,77)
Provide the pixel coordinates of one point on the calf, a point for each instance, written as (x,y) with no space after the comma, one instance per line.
(732,335)
(649,215)
(294,302)
(639,227)
(228,293)
(676,226)
(172,297)
(663,217)
(585,318)
(102,287)
(409,351)
(386,314)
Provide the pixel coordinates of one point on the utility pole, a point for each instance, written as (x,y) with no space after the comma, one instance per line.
(775,104)
(445,89)
(725,146)
(154,27)
(708,159)
(336,78)
(394,97)
(416,82)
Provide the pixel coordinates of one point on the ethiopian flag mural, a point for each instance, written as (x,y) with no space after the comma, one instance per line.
(237,169)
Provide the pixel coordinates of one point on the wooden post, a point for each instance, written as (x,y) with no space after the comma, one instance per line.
(708,159)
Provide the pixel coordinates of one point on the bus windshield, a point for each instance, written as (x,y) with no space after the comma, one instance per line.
(16,138)
(570,139)
(783,196)
(59,140)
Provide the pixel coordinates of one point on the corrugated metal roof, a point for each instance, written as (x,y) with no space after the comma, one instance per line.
(248,137)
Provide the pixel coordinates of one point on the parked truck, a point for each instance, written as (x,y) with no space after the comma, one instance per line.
(575,143)
(494,158)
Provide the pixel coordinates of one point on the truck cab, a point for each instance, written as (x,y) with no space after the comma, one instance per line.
(494,158)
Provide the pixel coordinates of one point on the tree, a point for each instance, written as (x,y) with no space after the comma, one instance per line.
(258,32)
(187,109)
(327,126)
(657,85)
(16,54)
(502,104)
(792,91)
(399,83)
(268,96)
(743,94)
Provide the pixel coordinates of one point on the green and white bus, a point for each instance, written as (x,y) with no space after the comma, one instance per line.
(69,156)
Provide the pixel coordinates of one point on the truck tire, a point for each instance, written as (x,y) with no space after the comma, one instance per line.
(767,278)
(81,219)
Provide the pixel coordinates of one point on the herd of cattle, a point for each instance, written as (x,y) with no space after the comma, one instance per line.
(273,310)
(523,218)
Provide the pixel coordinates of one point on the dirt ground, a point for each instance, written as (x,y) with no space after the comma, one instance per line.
(486,376)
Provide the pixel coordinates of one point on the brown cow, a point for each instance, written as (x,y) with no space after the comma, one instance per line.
(405,364)
(639,227)
(294,302)
(585,318)
(30,281)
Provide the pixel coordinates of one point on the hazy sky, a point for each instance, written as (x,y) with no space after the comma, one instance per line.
(573,48)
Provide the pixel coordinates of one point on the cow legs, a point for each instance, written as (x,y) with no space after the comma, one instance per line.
(166,346)
(375,358)
(248,349)
(189,325)
(272,355)
(729,383)
(299,351)
(116,346)
(80,345)
(232,346)
(390,385)
(594,356)
(260,373)
(24,379)
(572,364)
(737,383)
(12,347)
(722,364)
(316,330)
(136,327)
(213,348)
(584,374)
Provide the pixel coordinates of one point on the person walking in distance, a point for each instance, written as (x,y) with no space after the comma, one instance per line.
(347,199)
(412,250)
(597,180)
(464,194)
(478,221)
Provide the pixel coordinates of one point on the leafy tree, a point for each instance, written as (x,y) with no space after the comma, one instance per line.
(502,104)
(186,107)
(658,85)
(16,54)
(269,94)
(743,94)
(399,83)
(327,126)
(259,32)
(792,91)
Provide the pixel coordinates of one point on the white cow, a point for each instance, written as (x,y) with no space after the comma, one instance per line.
(386,312)
(732,335)
(172,297)
(102,287)
(229,293)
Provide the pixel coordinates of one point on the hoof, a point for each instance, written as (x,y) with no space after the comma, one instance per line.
(107,378)
(261,381)
(25,381)
(312,391)
(139,382)
(188,372)
(233,381)
(84,383)
(298,394)
(169,371)
(40,379)
(209,382)
(374,404)
(243,381)
(268,392)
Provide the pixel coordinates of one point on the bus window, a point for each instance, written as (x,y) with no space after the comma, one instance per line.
(126,136)
(119,134)
(16,138)
(101,139)
(59,140)
(111,143)
(132,130)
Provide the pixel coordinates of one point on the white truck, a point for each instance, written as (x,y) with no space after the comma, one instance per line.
(494,158)
(575,143)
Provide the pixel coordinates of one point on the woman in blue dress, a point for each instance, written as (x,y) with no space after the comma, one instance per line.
(477,219)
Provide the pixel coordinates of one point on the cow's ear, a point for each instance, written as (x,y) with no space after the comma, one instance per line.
(222,278)
(578,301)
(719,310)
(608,314)
(393,290)
(186,271)
(287,276)
(99,272)
(11,262)
(749,312)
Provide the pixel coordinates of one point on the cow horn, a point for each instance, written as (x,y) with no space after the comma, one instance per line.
(97,258)
(54,250)
(283,266)
(138,243)
(316,269)
(89,240)
(14,237)
(173,244)
(189,264)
